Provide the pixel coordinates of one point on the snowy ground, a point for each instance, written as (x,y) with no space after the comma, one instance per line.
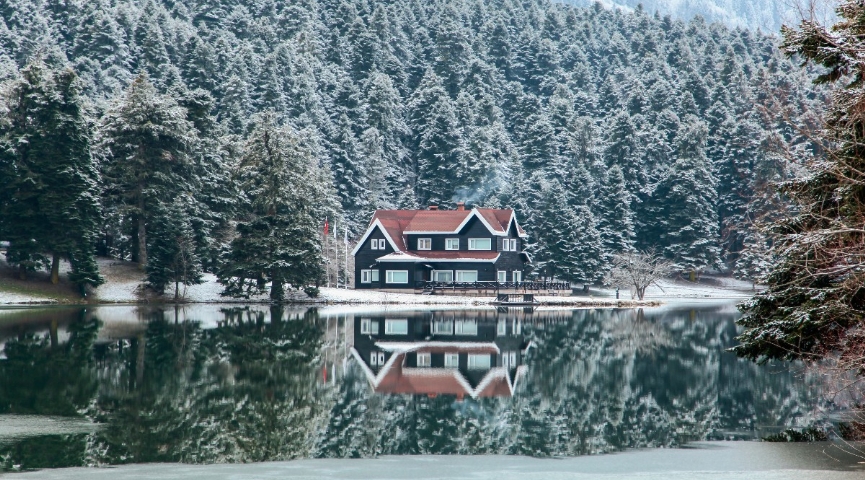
(124,284)
(703,461)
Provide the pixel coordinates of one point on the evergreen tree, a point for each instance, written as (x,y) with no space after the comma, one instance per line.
(148,142)
(615,218)
(51,179)
(687,226)
(277,239)
(172,254)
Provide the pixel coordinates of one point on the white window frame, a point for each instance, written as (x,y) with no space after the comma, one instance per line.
(466,327)
(424,243)
(391,323)
(459,275)
(479,361)
(513,246)
(374,275)
(443,327)
(366,326)
(376,358)
(452,360)
(434,272)
(505,245)
(390,273)
(424,360)
(518,276)
(373,244)
(449,244)
(502,328)
(366,276)
(502,276)
(473,243)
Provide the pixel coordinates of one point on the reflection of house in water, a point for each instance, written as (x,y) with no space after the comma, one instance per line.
(462,353)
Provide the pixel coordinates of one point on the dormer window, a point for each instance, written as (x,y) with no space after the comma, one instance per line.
(424,243)
(480,244)
(452,244)
(509,245)
(377,244)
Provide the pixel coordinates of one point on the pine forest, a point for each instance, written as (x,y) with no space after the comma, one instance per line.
(217,135)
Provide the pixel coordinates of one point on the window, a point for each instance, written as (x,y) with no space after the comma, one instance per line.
(397,276)
(479,362)
(376,358)
(452,244)
(366,326)
(396,327)
(443,276)
(502,276)
(509,359)
(509,244)
(452,360)
(377,244)
(480,244)
(367,276)
(424,243)
(467,275)
(443,327)
(518,276)
(513,243)
(501,328)
(424,360)
(466,327)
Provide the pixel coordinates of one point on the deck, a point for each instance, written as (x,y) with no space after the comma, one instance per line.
(432,288)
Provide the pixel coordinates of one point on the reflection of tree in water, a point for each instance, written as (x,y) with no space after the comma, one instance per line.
(42,376)
(244,391)
(604,381)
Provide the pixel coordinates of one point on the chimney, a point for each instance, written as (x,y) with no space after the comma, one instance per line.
(433,207)
(461,206)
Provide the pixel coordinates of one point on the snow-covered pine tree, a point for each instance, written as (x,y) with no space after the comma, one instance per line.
(615,218)
(277,238)
(688,226)
(52,183)
(148,142)
(172,257)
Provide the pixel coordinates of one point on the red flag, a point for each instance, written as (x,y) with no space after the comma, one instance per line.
(326,227)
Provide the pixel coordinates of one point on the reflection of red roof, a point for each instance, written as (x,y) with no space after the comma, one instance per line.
(397,223)
(395,379)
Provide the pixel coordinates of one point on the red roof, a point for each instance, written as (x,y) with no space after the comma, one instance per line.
(397,223)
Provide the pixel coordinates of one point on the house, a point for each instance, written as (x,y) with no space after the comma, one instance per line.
(402,249)
(441,353)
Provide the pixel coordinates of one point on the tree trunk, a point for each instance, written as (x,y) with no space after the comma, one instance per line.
(142,231)
(22,272)
(176,290)
(692,276)
(55,269)
(276,289)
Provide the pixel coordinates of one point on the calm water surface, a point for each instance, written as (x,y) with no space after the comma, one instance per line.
(223,384)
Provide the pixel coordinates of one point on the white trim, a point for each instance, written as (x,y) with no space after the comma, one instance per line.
(499,276)
(452,249)
(434,272)
(426,240)
(424,355)
(404,347)
(376,223)
(484,221)
(405,257)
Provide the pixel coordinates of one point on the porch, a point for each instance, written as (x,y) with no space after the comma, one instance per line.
(489,288)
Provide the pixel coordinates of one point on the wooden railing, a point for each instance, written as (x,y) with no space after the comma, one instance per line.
(535,285)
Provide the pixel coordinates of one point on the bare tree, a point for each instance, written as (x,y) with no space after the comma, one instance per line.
(637,270)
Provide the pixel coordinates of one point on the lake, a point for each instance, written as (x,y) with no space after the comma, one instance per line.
(216,384)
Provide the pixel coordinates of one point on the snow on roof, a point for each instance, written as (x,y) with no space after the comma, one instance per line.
(395,224)
(428,256)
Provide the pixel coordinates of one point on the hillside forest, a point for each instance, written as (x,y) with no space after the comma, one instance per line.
(217,135)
